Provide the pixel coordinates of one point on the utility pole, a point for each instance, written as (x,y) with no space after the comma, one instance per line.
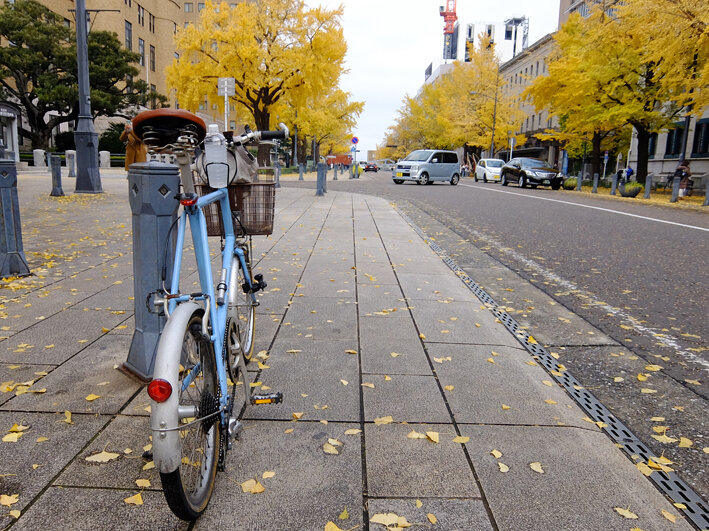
(88,178)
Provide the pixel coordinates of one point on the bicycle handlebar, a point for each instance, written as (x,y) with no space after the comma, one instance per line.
(281,134)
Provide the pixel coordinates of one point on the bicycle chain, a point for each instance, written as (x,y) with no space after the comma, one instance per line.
(224,440)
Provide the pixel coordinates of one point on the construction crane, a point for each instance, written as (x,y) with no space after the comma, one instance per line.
(450,30)
(449,17)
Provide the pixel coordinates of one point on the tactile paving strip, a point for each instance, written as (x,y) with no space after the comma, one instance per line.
(696,509)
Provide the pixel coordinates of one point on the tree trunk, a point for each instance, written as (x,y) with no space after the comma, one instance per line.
(643,146)
(596,153)
(262,120)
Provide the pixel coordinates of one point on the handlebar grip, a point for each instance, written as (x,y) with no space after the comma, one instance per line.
(273,135)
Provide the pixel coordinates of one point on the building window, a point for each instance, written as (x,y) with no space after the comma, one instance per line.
(532,122)
(141,51)
(200,6)
(700,147)
(674,141)
(652,145)
(129,3)
(189,7)
(129,36)
(152,58)
(151,22)
(141,15)
(177,56)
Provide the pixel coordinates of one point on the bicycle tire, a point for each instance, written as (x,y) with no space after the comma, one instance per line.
(241,307)
(189,488)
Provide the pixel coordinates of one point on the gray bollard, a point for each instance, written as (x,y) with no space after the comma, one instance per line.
(324,178)
(300,171)
(706,195)
(320,188)
(55,164)
(648,185)
(38,158)
(614,184)
(152,187)
(277,173)
(334,172)
(579,181)
(70,161)
(12,255)
(48,159)
(595,184)
(675,189)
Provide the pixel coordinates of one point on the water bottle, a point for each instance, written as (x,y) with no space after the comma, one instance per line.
(215,157)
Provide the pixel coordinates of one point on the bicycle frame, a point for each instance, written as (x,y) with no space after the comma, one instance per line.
(213,312)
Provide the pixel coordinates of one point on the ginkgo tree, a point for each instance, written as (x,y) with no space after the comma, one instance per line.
(273,49)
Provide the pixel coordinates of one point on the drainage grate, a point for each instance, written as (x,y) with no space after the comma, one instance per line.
(696,509)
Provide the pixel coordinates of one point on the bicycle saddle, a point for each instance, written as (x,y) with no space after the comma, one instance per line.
(160,127)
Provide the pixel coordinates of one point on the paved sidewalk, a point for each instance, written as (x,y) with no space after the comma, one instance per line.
(374,342)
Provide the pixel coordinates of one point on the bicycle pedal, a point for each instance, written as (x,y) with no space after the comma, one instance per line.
(235,428)
(258,285)
(271,398)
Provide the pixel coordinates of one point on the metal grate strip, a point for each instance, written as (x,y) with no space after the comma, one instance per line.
(696,509)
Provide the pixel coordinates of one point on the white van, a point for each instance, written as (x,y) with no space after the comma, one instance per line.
(424,166)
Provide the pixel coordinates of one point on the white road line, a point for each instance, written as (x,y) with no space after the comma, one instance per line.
(488,189)
(588,297)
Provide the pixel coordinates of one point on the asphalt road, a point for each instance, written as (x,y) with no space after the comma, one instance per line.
(635,272)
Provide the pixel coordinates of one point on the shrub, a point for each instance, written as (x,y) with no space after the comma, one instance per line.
(570,183)
(634,184)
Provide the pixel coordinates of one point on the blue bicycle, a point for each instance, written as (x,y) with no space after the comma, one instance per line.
(209,334)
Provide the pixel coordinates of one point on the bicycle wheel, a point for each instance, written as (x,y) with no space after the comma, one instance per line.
(189,488)
(241,307)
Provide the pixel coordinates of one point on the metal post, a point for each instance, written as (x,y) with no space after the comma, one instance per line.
(706,195)
(70,161)
(675,189)
(334,172)
(56,167)
(595,184)
(152,187)
(614,185)
(48,160)
(300,171)
(277,173)
(680,162)
(648,184)
(12,255)
(579,181)
(320,190)
(88,178)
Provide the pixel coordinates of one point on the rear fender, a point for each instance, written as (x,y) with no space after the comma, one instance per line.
(166,444)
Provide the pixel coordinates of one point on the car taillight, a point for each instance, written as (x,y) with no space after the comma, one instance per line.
(159,390)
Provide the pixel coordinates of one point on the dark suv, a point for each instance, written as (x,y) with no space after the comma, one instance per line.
(533,172)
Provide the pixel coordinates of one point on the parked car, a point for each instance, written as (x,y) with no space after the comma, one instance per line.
(488,170)
(424,166)
(370,166)
(533,172)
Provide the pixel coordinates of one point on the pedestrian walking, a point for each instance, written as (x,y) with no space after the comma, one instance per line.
(136,151)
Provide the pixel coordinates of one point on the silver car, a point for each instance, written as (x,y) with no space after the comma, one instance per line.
(488,170)
(424,166)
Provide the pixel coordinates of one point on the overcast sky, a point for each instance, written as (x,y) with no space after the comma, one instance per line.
(391,42)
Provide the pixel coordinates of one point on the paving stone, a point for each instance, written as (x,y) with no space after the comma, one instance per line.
(582,469)
(127,436)
(20,373)
(309,488)
(90,372)
(400,397)
(449,514)
(306,318)
(17,474)
(416,468)
(435,287)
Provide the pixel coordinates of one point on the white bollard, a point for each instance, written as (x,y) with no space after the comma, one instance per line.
(104,158)
(40,160)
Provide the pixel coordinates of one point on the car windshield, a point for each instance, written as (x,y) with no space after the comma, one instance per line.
(420,155)
(534,163)
(494,163)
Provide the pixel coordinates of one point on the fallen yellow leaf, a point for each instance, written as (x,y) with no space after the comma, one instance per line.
(353,431)
(647,391)
(537,467)
(503,467)
(268,474)
(642,377)
(383,420)
(42,439)
(330,526)
(143,483)
(419,504)
(252,486)
(17,428)
(684,442)
(367,384)
(330,449)
(413,434)
(550,401)
(298,415)
(102,457)
(448,387)
(671,517)
(431,518)
(432,436)
(134,500)
(496,454)
(350,351)
(9,500)
(461,439)
(626,513)
(505,407)
(653,368)
(92,397)
(12,437)
(344,515)
(422,336)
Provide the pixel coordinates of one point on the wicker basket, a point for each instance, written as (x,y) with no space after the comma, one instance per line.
(252,204)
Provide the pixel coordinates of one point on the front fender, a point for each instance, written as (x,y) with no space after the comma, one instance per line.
(166,444)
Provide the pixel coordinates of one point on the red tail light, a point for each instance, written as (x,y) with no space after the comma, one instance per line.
(159,390)
(189,201)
